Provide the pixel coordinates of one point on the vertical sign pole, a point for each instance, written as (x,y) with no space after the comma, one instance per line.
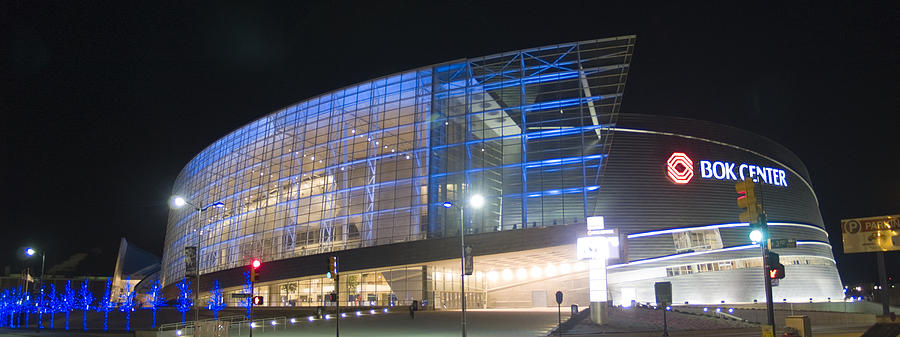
(882,278)
(665,324)
(462,274)
(770,309)
(251,304)
(337,306)
(559,298)
(559,319)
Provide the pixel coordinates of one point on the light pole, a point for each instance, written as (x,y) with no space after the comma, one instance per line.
(475,202)
(30,252)
(178,202)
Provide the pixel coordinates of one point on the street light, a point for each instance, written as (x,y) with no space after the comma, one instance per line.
(756,236)
(30,252)
(178,202)
(475,202)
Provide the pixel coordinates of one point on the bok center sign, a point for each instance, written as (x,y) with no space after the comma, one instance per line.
(680,169)
(873,234)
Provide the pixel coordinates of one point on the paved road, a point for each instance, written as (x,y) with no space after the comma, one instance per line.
(489,322)
(820,331)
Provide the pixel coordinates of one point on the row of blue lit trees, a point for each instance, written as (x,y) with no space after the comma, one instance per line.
(17,305)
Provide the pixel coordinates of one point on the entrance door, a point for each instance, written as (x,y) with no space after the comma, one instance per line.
(539,298)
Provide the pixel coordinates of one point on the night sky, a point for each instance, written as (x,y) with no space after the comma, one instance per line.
(103,103)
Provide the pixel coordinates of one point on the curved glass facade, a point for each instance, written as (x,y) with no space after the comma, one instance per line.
(370,164)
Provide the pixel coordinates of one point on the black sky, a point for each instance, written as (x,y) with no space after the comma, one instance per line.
(104,102)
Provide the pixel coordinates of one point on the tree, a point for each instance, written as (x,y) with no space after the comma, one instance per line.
(20,302)
(6,309)
(68,301)
(127,303)
(156,299)
(247,302)
(40,308)
(184,302)
(216,300)
(106,305)
(52,304)
(83,302)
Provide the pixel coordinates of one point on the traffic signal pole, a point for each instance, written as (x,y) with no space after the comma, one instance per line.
(770,306)
(755,217)
(251,305)
(337,306)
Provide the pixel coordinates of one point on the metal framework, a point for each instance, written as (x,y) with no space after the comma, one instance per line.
(364,165)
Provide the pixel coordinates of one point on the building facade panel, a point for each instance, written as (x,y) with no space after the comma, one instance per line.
(363,173)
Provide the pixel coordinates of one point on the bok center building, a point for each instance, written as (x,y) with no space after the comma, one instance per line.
(363,173)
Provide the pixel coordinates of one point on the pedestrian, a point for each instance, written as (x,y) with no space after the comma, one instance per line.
(412,311)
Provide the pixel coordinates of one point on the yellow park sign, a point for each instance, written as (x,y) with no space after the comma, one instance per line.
(872,234)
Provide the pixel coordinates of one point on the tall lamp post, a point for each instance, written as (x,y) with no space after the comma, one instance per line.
(475,202)
(178,202)
(30,252)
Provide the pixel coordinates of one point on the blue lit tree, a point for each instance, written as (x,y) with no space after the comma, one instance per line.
(21,303)
(127,303)
(40,308)
(14,303)
(184,302)
(216,300)
(83,301)
(68,301)
(155,299)
(52,304)
(106,305)
(6,309)
(248,289)
(10,305)
(26,306)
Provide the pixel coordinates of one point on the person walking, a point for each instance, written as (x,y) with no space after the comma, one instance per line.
(412,311)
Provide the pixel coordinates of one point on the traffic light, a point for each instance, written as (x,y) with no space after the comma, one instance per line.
(747,201)
(254,269)
(257,300)
(332,267)
(774,266)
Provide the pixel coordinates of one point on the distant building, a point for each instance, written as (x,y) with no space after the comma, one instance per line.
(362,173)
(135,267)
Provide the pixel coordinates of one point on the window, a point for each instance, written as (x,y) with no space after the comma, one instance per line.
(698,240)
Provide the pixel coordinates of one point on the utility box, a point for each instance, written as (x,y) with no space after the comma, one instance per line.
(799,323)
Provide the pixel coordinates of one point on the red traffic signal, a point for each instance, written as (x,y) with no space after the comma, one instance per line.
(747,202)
(257,300)
(254,265)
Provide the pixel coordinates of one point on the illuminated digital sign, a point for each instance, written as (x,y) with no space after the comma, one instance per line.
(680,170)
